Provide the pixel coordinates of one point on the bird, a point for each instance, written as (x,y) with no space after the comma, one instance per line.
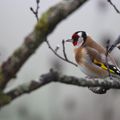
(91,59)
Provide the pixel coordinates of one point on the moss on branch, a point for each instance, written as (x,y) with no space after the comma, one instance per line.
(43,28)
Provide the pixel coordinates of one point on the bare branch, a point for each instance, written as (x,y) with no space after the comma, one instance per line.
(56,49)
(107,53)
(109,49)
(45,25)
(54,76)
(115,44)
(109,1)
(35,12)
(59,56)
(64,53)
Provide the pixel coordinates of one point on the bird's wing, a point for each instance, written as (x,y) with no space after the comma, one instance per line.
(99,59)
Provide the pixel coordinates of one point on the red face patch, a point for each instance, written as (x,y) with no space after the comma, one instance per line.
(75,36)
(75,43)
(75,39)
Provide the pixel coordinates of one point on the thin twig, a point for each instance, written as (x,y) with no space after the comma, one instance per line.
(116,9)
(115,44)
(64,59)
(54,76)
(53,50)
(64,53)
(57,48)
(107,53)
(35,12)
(16,60)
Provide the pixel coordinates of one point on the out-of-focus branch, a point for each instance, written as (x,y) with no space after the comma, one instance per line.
(54,76)
(116,9)
(45,25)
(109,49)
(116,43)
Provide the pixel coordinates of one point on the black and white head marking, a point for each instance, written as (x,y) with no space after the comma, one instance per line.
(79,38)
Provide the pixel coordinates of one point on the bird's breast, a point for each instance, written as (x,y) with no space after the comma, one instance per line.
(81,56)
(86,65)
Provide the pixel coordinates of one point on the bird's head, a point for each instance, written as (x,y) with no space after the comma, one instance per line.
(78,38)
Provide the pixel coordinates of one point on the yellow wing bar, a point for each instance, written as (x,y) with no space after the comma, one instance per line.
(103,66)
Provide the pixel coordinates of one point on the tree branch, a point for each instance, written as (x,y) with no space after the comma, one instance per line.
(59,56)
(107,53)
(116,9)
(35,12)
(45,25)
(64,52)
(116,43)
(54,76)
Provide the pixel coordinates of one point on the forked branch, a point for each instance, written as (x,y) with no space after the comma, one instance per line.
(54,76)
(64,57)
(35,12)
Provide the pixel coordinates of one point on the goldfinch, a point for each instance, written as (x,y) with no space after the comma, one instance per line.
(91,57)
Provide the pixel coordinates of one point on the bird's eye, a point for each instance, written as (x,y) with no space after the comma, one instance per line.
(76,39)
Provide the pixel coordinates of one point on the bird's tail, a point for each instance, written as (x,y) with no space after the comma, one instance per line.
(114,70)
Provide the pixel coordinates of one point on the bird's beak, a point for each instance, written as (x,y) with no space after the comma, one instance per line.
(69,40)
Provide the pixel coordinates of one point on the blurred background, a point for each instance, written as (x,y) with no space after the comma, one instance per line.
(58,101)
